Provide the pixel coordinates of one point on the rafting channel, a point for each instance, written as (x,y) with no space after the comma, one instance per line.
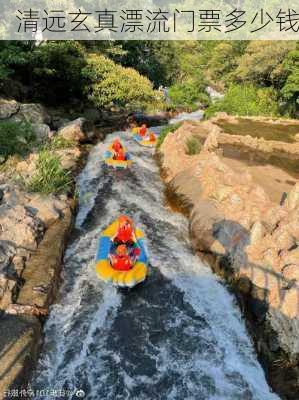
(179,335)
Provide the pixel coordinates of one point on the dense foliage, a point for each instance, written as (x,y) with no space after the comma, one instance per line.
(107,83)
(15,138)
(267,70)
(125,73)
(246,100)
(68,71)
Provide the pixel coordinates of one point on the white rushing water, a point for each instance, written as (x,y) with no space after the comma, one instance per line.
(179,335)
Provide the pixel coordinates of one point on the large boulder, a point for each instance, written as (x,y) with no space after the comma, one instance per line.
(79,130)
(42,132)
(8,108)
(33,113)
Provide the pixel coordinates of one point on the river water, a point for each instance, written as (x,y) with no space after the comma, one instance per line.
(179,335)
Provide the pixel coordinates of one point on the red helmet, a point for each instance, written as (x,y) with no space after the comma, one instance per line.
(125,228)
(116,145)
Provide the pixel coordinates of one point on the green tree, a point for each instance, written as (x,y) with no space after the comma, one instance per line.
(107,83)
(262,61)
(158,60)
(56,70)
(290,90)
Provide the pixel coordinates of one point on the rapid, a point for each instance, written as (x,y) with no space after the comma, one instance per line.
(179,335)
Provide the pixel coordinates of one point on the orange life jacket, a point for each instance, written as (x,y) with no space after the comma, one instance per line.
(142,131)
(116,146)
(122,263)
(152,137)
(124,234)
(120,155)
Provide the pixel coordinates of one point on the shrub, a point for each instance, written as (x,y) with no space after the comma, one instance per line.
(246,100)
(109,84)
(50,177)
(165,131)
(15,138)
(188,94)
(193,146)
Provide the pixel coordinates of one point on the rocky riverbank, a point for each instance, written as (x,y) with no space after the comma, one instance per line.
(249,239)
(34,229)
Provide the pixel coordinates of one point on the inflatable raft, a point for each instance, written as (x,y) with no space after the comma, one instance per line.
(108,159)
(107,273)
(145,141)
(135,130)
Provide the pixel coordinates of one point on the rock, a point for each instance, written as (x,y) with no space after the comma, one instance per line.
(292,257)
(211,143)
(284,240)
(69,157)
(252,239)
(42,132)
(296,137)
(33,113)
(289,308)
(20,227)
(257,232)
(44,207)
(27,168)
(292,201)
(7,291)
(78,130)
(291,272)
(7,274)
(149,120)
(59,122)
(92,114)
(7,251)
(21,309)
(8,108)
(202,224)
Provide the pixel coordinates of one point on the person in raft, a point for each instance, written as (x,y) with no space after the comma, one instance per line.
(121,259)
(125,247)
(143,130)
(118,150)
(152,137)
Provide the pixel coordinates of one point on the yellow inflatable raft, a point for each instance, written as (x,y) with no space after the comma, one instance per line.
(108,159)
(120,278)
(145,141)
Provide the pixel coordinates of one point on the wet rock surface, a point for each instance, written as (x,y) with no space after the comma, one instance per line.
(254,244)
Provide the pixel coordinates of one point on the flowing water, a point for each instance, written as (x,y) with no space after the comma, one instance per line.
(179,335)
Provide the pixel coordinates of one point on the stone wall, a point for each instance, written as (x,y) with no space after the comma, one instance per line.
(252,242)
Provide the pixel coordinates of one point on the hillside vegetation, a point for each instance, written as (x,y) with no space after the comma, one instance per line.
(127,74)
